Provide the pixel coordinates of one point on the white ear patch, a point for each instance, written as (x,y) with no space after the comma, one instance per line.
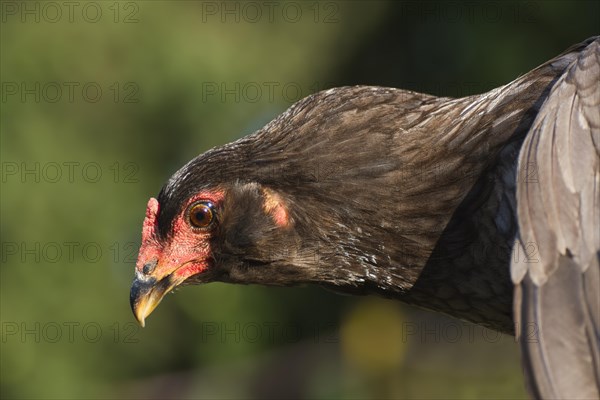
(275,207)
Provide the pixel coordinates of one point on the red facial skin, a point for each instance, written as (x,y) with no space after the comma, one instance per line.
(186,252)
(275,207)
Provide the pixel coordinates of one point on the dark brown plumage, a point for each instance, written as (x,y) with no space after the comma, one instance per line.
(414,197)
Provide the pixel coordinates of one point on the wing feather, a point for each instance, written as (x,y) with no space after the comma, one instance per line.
(557,286)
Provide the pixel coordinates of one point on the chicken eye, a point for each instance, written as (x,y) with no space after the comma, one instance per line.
(201,214)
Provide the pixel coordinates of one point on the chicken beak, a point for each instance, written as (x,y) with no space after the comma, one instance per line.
(146,294)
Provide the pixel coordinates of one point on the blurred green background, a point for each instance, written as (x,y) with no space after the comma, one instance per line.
(103,101)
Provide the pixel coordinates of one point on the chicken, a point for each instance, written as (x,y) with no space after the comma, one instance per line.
(486,208)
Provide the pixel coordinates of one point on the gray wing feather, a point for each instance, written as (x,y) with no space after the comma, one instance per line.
(555,265)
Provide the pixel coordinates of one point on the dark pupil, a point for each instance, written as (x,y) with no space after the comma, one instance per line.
(201,216)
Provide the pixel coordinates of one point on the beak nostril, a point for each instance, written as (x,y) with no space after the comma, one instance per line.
(149,266)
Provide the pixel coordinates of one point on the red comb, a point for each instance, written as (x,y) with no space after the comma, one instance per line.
(149,227)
